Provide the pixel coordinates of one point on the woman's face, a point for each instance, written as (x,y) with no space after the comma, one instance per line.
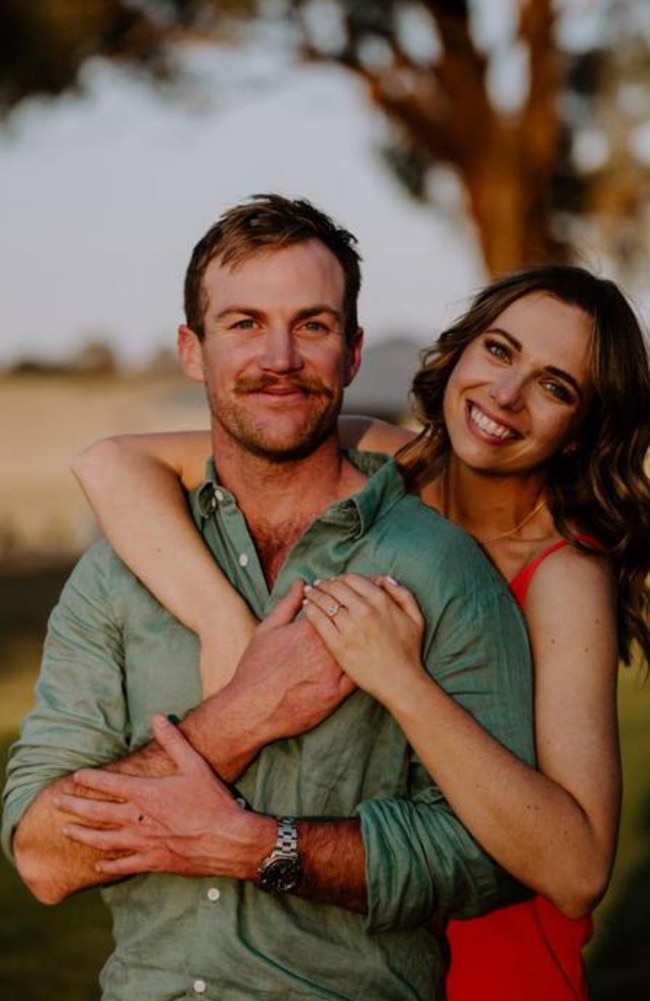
(520,389)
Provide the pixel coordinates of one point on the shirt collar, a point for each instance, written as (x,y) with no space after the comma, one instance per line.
(356,513)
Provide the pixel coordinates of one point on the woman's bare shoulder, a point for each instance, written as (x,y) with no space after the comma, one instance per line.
(570,587)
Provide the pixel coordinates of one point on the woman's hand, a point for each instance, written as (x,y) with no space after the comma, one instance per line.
(374,629)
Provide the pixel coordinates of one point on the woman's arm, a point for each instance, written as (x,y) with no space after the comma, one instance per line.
(134,484)
(554,829)
(372,435)
(156,538)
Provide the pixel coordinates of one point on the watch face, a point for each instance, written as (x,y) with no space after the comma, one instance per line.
(280,874)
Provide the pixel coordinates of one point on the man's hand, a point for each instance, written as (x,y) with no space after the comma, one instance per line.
(287,684)
(185,823)
(289,679)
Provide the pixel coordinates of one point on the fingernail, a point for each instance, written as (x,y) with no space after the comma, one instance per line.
(308,587)
(317,582)
(391,580)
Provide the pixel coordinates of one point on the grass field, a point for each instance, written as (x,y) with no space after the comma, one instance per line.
(54,954)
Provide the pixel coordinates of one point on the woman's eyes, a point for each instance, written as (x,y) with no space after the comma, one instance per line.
(497,348)
(503,352)
(558,390)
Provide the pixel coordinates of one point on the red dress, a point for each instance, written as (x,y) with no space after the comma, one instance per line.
(527,951)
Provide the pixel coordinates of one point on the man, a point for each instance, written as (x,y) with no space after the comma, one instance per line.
(325,873)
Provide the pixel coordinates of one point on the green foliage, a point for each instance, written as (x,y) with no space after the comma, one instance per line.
(50,954)
(44,43)
(46,953)
(618,965)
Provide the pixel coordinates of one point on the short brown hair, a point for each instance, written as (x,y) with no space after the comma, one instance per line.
(271,222)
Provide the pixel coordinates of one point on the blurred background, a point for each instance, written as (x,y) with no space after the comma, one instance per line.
(456,139)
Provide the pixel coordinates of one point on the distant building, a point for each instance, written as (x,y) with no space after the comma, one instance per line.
(382,385)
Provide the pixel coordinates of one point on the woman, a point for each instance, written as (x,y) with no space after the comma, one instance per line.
(536,413)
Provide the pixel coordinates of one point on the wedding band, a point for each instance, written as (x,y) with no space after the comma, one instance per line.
(333,610)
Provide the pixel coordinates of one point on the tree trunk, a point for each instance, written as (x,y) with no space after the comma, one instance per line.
(508,192)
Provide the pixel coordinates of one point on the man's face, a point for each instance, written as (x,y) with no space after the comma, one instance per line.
(273,359)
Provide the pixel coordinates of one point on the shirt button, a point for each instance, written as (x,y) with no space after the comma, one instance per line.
(199,986)
(219,495)
(214,893)
(243,560)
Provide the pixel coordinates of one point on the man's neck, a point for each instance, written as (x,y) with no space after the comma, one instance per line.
(279,500)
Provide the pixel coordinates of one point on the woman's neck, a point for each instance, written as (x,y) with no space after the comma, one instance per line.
(507,515)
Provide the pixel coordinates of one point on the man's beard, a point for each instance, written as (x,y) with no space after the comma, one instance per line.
(241,427)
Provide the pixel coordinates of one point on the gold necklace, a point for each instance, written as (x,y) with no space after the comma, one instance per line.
(495,538)
(513,531)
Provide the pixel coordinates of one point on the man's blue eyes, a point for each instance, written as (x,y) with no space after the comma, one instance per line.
(312,326)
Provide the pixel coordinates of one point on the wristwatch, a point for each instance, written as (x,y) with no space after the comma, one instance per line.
(281,871)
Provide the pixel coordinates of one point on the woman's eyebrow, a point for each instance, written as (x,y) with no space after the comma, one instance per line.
(508,336)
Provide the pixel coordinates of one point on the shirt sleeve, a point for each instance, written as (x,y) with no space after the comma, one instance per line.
(79,717)
(420,860)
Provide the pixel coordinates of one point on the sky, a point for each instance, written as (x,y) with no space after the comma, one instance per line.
(104,194)
(102,198)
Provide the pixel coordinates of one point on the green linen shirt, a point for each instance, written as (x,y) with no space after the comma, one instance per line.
(114,657)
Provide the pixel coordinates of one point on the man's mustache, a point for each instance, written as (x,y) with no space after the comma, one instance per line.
(309,386)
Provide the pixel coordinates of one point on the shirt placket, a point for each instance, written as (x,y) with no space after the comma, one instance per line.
(227,535)
(203,952)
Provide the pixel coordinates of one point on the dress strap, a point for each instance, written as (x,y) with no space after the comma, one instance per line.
(521,581)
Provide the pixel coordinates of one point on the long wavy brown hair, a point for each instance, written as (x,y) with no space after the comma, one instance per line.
(601,488)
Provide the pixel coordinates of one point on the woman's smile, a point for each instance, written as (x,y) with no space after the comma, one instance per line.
(488,426)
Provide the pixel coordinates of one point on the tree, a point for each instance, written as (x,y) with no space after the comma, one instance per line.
(442,112)
(427,71)
(44,44)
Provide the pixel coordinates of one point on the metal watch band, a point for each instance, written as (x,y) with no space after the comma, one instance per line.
(281,871)
(287,841)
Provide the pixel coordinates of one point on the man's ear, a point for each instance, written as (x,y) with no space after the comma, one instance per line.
(190,353)
(353,356)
